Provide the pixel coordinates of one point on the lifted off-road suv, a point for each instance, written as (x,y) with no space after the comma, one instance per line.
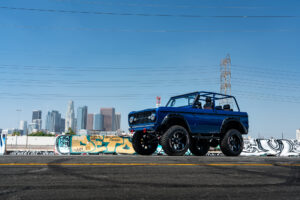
(190,121)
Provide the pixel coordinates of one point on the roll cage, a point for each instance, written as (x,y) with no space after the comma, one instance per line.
(202,96)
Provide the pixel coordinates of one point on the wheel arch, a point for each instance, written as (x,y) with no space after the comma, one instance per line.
(232,123)
(174,119)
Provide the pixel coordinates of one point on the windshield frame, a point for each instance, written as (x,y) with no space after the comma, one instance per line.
(182,96)
(213,95)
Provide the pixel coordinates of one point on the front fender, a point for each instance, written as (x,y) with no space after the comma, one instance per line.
(173,119)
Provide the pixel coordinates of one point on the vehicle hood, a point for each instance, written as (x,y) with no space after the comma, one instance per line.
(145,110)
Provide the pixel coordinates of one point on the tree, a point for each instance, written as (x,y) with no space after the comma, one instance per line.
(40,133)
(70,132)
(16,133)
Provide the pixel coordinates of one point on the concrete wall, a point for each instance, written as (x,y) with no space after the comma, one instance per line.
(31,141)
(65,145)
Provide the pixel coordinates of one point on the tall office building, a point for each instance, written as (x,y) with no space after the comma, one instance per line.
(36,114)
(32,127)
(70,117)
(23,127)
(62,124)
(108,118)
(38,122)
(98,122)
(53,121)
(118,121)
(37,118)
(90,121)
(82,117)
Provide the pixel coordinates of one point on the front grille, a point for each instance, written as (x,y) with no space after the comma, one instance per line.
(142,118)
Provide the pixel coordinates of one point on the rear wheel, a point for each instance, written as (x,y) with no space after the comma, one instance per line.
(144,143)
(199,147)
(232,143)
(175,141)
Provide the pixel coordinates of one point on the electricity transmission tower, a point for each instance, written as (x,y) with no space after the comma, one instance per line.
(226,79)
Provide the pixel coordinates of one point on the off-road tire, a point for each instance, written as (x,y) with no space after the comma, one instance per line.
(199,147)
(227,148)
(137,143)
(167,137)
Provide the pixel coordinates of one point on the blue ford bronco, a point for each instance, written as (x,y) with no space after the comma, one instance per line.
(194,121)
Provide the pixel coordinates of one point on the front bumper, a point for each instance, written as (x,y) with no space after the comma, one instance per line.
(145,128)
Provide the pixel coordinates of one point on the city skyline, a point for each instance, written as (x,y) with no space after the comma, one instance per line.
(56,123)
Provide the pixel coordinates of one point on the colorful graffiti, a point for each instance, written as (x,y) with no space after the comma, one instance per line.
(62,145)
(271,147)
(93,145)
(2,144)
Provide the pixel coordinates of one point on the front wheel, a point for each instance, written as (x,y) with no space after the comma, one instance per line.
(144,143)
(232,143)
(175,141)
(199,147)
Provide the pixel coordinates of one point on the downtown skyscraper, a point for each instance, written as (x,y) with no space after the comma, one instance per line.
(117,121)
(98,122)
(23,127)
(82,117)
(90,122)
(53,121)
(37,118)
(108,118)
(70,117)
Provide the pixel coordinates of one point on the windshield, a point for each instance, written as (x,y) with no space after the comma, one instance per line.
(182,101)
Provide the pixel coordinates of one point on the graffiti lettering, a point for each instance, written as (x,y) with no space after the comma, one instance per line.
(271,147)
(93,145)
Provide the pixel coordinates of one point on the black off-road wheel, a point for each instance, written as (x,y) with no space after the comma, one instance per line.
(175,141)
(199,147)
(144,143)
(232,143)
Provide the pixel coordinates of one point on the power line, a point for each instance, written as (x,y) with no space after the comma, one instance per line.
(146,14)
(159,5)
(184,69)
(64,28)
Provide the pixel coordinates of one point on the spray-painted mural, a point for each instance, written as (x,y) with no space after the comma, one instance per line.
(271,147)
(2,144)
(93,145)
(62,145)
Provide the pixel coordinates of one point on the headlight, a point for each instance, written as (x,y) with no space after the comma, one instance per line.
(152,116)
(131,119)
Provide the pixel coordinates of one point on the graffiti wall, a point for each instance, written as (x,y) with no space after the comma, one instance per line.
(93,145)
(2,144)
(271,147)
(76,145)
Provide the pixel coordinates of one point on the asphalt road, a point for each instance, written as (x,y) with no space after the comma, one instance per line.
(152,177)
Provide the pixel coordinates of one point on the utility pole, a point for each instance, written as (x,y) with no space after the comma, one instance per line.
(226,79)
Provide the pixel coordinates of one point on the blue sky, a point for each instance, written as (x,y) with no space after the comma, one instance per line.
(125,61)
